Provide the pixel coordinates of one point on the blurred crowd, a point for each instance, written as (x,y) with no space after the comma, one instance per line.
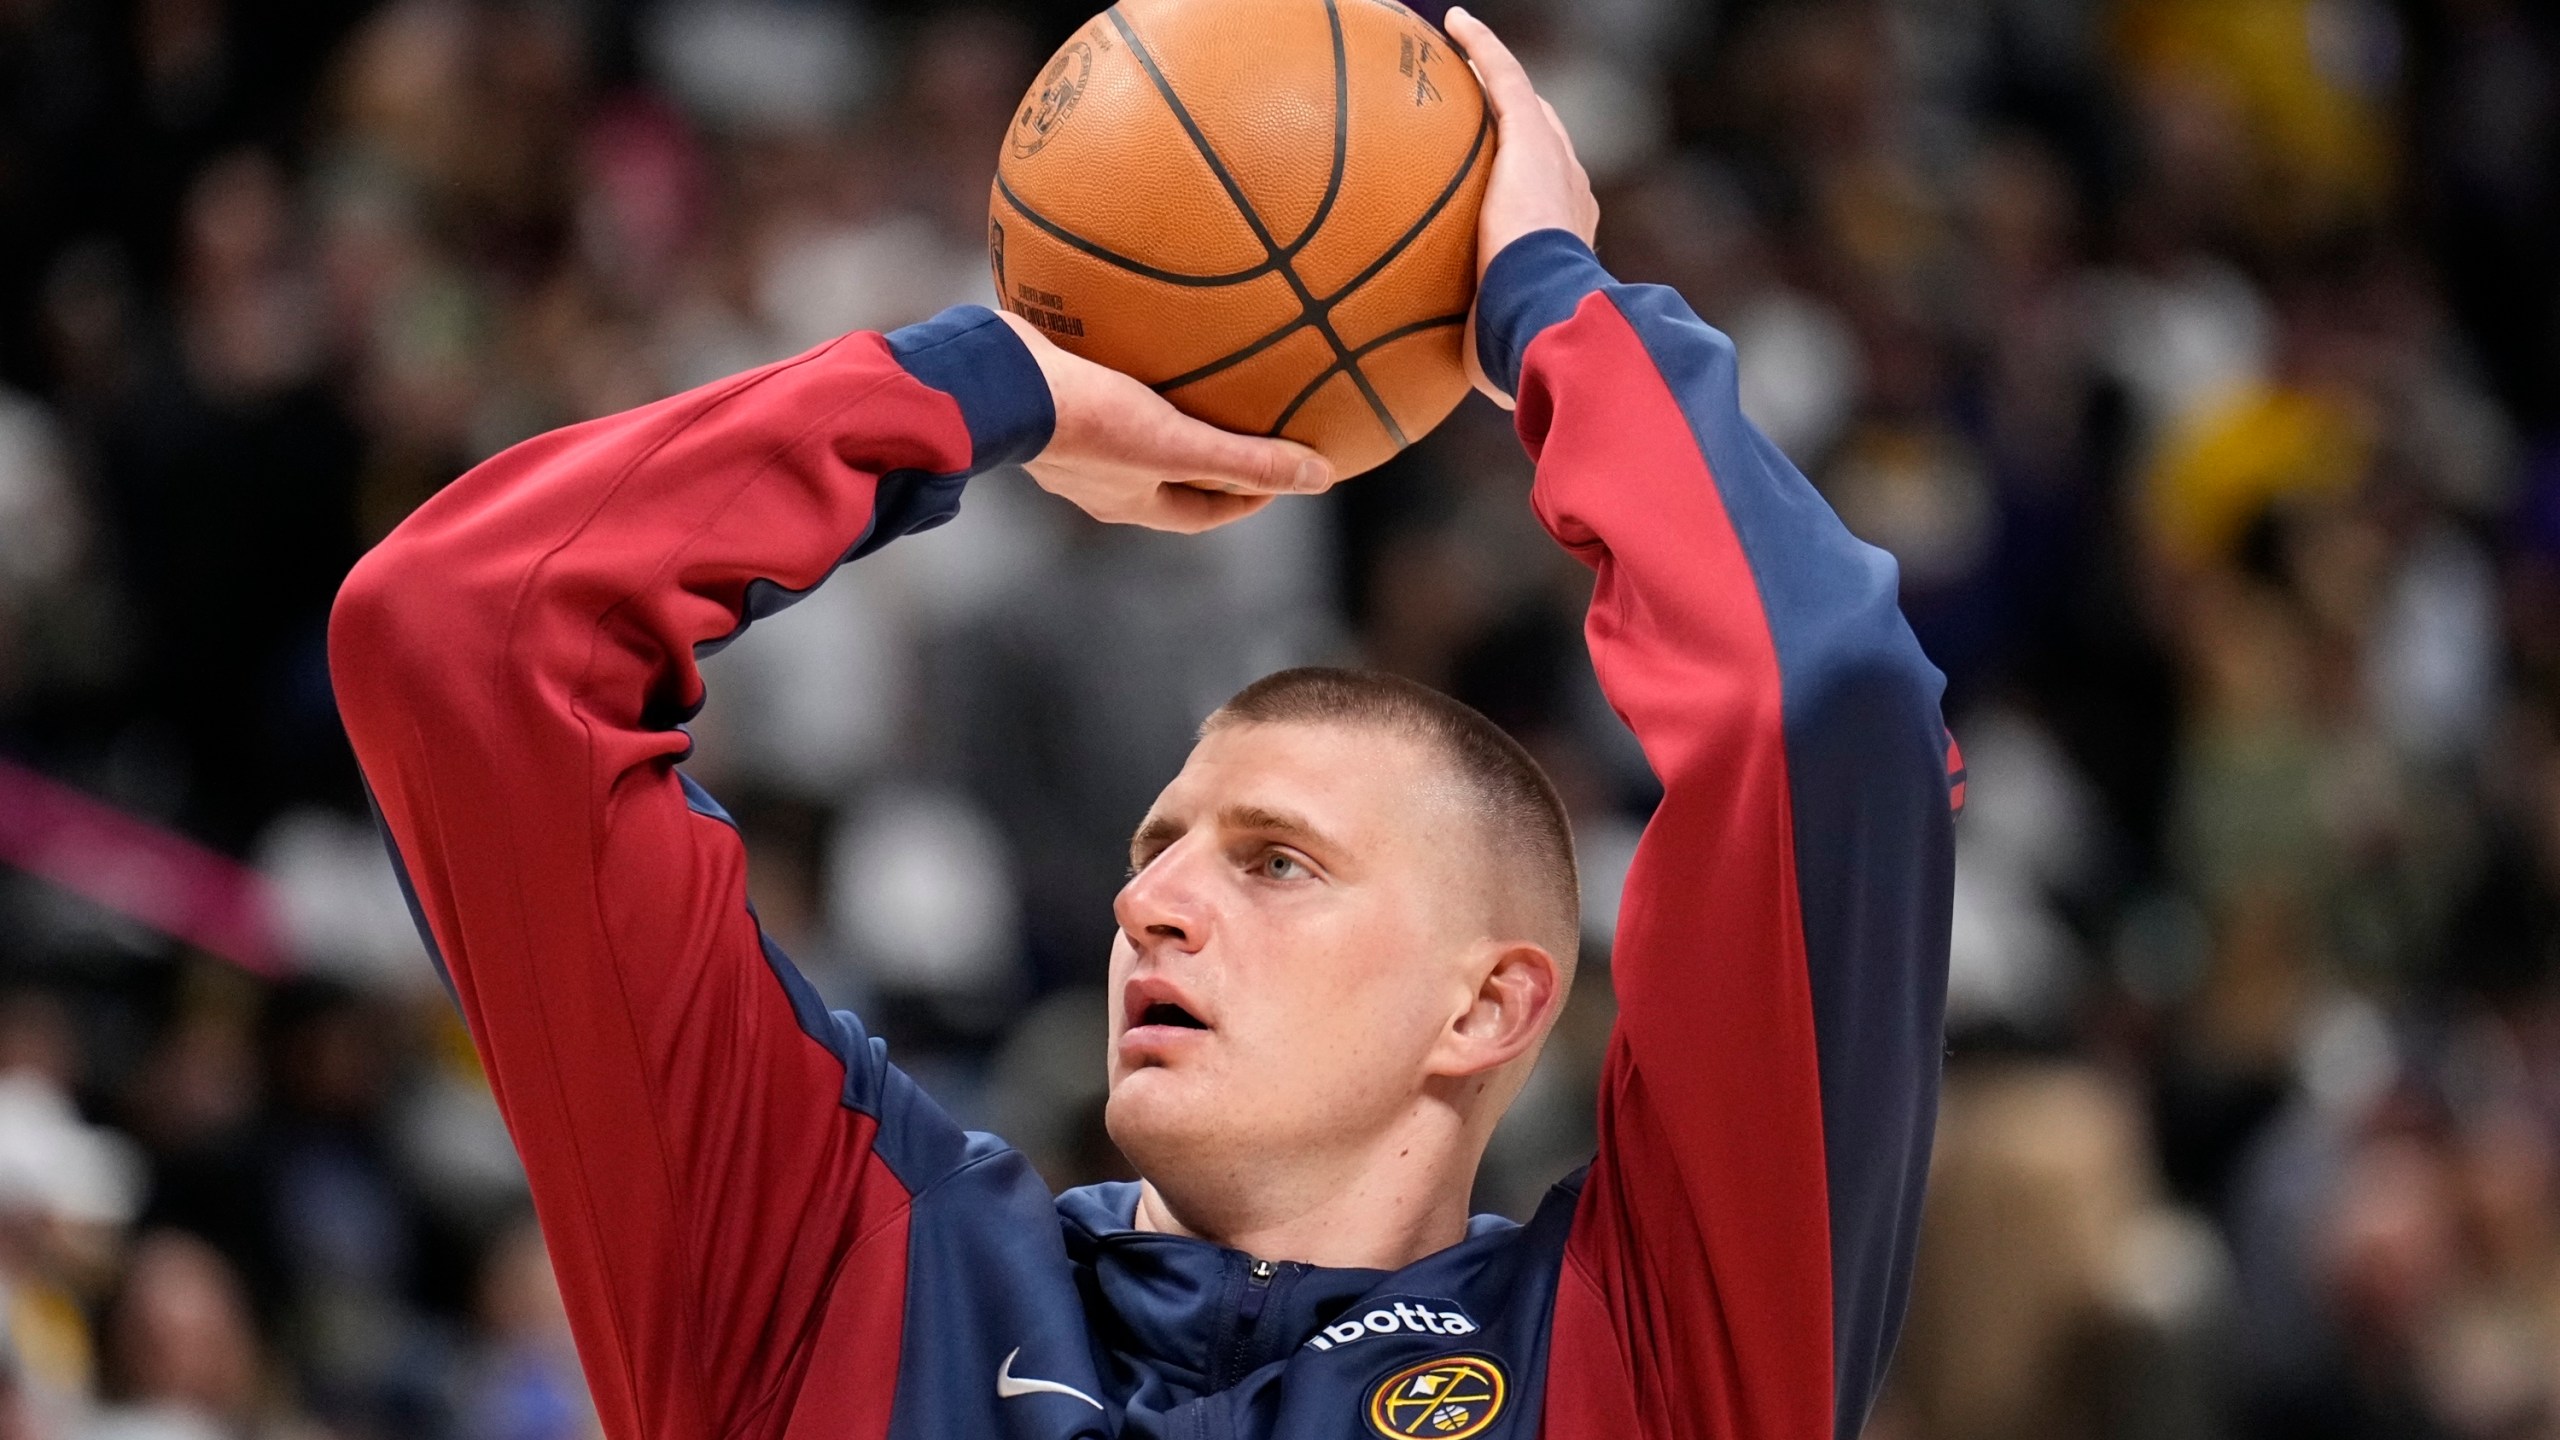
(2198,359)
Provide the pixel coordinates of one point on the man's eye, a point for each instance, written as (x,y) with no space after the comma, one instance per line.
(1280,865)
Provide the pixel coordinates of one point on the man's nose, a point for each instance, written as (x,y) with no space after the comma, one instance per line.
(1166,903)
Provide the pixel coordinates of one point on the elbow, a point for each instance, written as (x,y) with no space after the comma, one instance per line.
(396,630)
(1879,685)
(380,606)
(1873,708)
(374,600)
(1868,673)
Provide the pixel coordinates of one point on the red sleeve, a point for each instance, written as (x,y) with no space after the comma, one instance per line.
(722,1170)
(1744,1237)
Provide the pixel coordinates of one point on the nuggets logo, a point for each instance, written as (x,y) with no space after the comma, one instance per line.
(1450,1398)
(1047,108)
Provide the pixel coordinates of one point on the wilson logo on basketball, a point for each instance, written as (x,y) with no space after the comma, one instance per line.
(1450,1398)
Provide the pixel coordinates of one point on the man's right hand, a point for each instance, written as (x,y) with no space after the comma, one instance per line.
(1537,182)
(1123,454)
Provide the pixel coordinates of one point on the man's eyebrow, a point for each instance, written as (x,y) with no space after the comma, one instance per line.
(1152,837)
(1271,822)
(1159,832)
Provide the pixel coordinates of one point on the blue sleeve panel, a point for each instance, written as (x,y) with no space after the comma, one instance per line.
(1866,754)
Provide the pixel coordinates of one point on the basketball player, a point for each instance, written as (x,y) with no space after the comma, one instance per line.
(1349,923)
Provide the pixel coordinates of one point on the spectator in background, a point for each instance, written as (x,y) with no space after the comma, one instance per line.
(67,1190)
(523,1383)
(225,445)
(183,1359)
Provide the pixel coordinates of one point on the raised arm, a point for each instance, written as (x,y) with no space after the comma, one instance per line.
(727,1174)
(1746,1232)
(1745,1235)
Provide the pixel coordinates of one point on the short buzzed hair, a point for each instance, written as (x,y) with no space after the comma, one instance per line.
(1516,806)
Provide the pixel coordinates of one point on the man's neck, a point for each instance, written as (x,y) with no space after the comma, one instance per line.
(1404,1199)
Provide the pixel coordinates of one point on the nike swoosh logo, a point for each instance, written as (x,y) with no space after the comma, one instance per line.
(1009,1386)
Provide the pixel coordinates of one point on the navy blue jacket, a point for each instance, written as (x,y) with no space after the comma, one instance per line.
(763,1228)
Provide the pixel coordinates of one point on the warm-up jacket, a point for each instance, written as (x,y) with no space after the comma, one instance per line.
(764,1229)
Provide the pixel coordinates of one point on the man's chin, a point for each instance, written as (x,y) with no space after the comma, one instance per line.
(1157,1114)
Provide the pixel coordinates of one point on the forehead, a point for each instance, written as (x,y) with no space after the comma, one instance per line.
(1350,781)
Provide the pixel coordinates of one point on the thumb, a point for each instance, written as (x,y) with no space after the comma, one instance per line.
(1505,83)
(1200,453)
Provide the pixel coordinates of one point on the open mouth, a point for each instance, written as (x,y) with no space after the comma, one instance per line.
(1155,1007)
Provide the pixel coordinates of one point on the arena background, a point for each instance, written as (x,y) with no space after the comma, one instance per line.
(2200,360)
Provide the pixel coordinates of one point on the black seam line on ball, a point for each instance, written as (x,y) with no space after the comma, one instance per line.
(1295,323)
(1448,192)
(1341,130)
(1436,322)
(1233,358)
(1324,209)
(1322,322)
(1077,242)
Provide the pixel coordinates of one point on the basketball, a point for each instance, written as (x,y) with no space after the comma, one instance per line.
(1266,209)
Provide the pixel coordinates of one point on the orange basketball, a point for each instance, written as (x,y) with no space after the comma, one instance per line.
(1266,209)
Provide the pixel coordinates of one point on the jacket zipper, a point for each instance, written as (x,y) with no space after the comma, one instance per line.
(1258,1276)
(1257,1290)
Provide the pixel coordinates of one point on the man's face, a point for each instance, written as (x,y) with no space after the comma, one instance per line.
(1292,944)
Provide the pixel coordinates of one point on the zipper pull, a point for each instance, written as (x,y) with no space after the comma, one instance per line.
(1257,1289)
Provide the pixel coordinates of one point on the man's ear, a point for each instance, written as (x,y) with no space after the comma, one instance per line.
(1508,1013)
